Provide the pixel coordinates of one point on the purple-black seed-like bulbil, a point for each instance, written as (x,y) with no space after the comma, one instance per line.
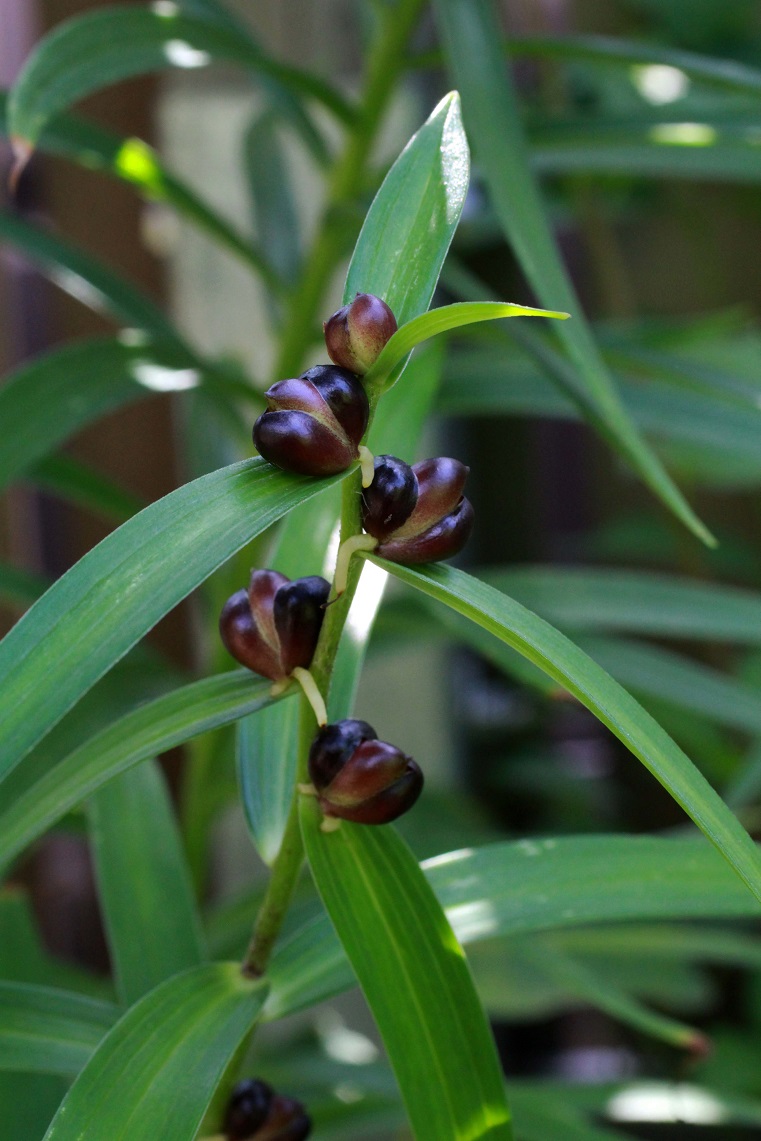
(357,333)
(418,514)
(358,777)
(274,625)
(314,423)
(247,1109)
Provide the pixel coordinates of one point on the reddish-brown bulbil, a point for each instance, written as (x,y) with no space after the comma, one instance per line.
(418,513)
(356,334)
(359,778)
(273,627)
(256,1113)
(313,423)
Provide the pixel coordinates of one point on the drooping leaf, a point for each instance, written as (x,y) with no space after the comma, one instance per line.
(156,1071)
(571,668)
(146,732)
(144,889)
(472,43)
(415,978)
(50,1031)
(104,605)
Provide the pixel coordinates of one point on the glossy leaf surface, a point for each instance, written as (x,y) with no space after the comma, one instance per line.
(103,605)
(415,978)
(146,732)
(155,1073)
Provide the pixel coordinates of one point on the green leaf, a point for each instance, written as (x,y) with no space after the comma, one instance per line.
(88,280)
(144,889)
(51,1031)
(515,888)
(415,978)
(274,208)
(444,320)
(410,225)
(146,732)
(99,48)
(135,162)
(611,704)
(76,482)
(473,45)
(155,1073)
(634,602)
(119,590)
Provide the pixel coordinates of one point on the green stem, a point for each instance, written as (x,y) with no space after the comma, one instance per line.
(385,62)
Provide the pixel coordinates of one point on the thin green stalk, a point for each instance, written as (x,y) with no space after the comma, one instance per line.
(385,62)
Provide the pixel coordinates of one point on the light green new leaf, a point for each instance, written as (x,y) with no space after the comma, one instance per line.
(415,978)
(411,223)
(44,1030)
(444,320)
(119,590)
(515,888)
(552,652)
(156,1072)
(144,888)
(149,730)
(88,280)
(99,48)
(472,41)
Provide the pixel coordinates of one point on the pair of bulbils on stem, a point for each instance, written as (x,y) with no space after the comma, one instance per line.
(256,1113)
(272,628)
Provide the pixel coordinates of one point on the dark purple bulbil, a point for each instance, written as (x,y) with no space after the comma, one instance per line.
(356,334)
(256,1113)
(314,423)
(358,777)
(418,513)
(274,625)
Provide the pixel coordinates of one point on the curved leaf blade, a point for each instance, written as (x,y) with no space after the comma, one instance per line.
(44,1030)
(472,43)
(523,887)
(146,732)
(144,888)
(155,1073)
(415,978)
(612,705)
(119,590)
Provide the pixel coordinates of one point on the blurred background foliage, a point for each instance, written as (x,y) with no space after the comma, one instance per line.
(642,119)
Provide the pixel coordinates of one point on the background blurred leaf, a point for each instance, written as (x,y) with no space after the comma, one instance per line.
(50,1031)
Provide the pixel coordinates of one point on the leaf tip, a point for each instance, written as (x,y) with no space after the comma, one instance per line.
(22,152)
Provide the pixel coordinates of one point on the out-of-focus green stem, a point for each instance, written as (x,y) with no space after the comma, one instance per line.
(384,64)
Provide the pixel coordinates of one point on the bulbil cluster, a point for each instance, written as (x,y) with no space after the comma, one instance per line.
(314,425)
(256,1113)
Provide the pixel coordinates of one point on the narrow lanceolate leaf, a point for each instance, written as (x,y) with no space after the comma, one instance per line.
(444,320)
(396,257)
(87,279)
(50,398)
(99,48)
(472,41)
(529,886)
(117,592)
(78,483)
(50,1031)
(144,889)
(135,162)
(155,1073)
(149,730)
(568,665)
(415,978)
